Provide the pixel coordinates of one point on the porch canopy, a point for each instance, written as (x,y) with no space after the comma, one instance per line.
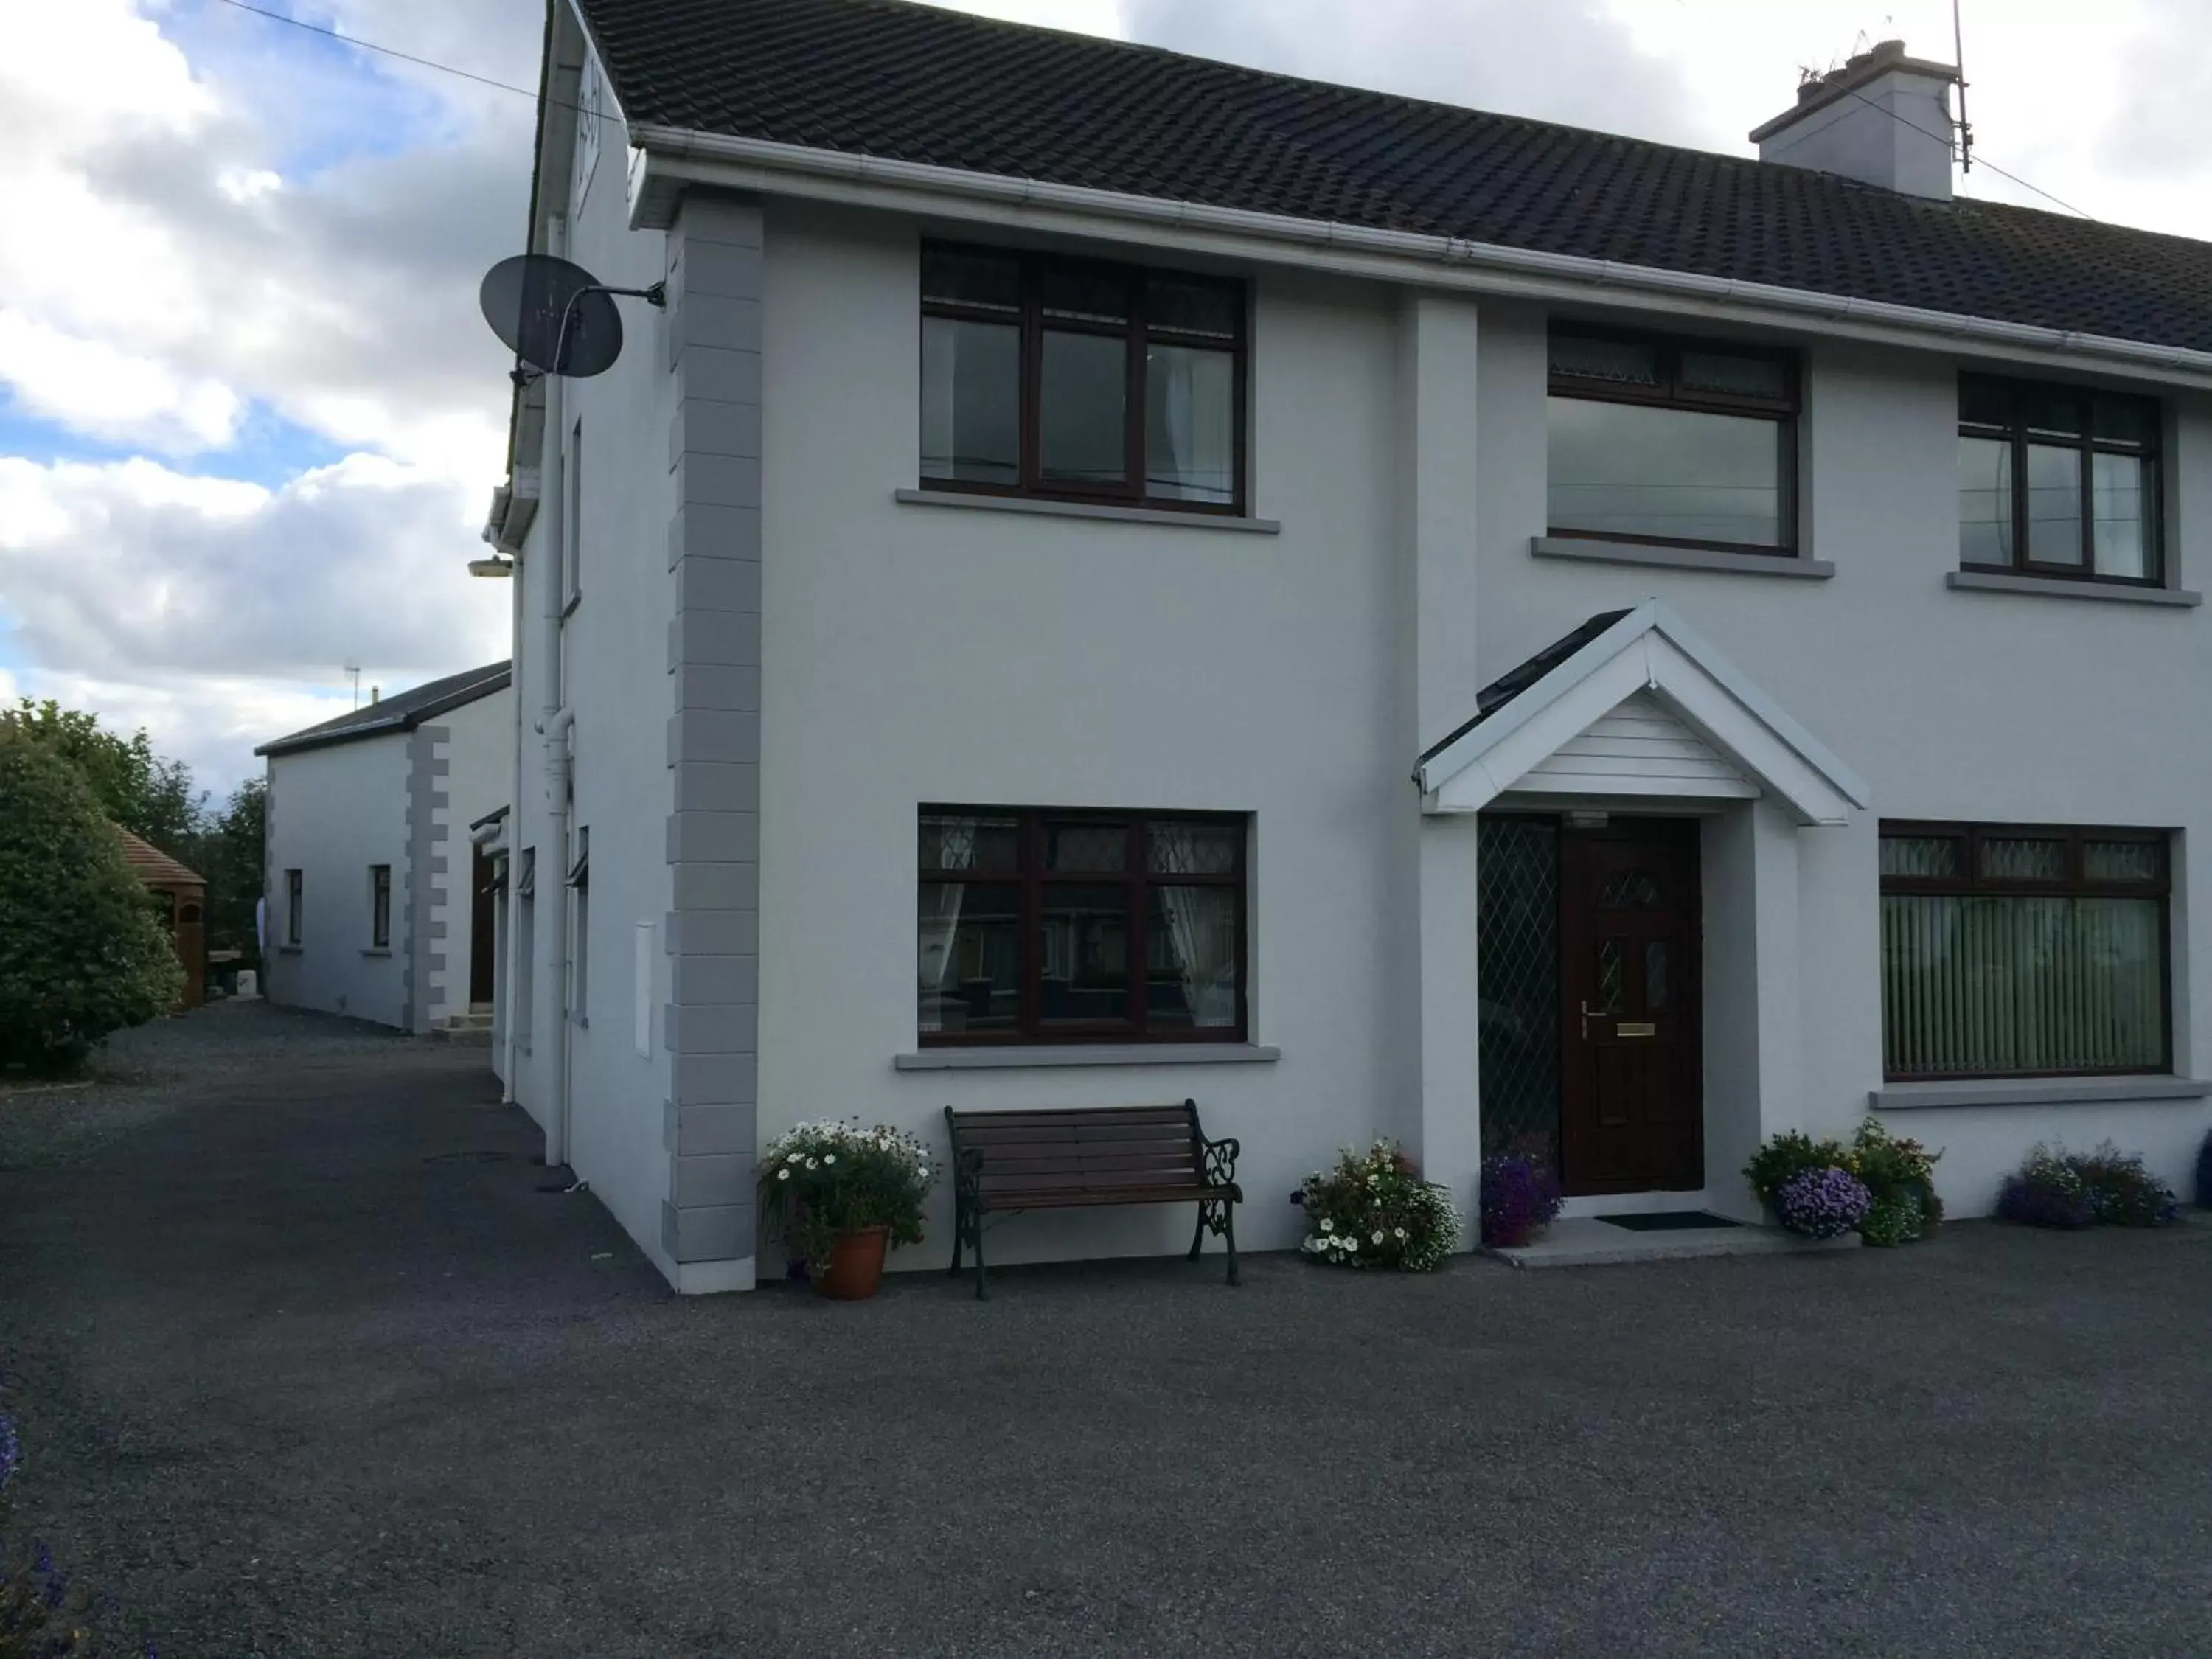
(1634,702)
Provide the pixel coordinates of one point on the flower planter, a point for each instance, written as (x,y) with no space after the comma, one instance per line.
(856,1265)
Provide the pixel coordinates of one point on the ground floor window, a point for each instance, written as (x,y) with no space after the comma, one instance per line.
(379,906)
(1042,924)
(2010,951)
(295,906)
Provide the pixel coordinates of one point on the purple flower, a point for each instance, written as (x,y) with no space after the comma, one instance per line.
(1822,1203)
(11,1450)
(1518,1197)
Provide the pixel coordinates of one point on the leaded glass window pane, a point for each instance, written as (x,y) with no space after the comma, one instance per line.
(1517,1015)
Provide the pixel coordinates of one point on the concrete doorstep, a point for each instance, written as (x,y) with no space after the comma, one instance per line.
(1584,1241)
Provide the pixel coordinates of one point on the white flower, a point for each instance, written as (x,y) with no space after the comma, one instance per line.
(1378,1238)
(783,1175)
(1374,1180)
(1351,1245)
(1327,1226)
(1401,1232)
(795,1158)
(829,1157)
(813,1163)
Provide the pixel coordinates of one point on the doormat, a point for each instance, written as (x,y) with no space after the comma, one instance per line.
(1667,1221)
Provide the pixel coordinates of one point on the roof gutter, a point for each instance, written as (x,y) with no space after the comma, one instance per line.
(678,156)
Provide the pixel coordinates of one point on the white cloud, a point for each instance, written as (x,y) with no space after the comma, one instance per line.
(94,387)
(131,567)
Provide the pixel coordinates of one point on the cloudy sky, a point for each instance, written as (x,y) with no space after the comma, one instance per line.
(249,417)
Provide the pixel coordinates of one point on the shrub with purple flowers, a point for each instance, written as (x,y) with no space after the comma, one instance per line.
(2204,1175)
(1788,1156)
(43,1613)
(1822,1203)
(2071,1191)
(1373,1210)
(1520,1199)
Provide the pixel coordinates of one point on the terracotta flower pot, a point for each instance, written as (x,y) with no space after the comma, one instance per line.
(856,1265)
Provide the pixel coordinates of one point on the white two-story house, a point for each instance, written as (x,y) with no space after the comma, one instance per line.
(1115,578)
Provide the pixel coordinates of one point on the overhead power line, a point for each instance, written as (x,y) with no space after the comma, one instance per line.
(1945,140)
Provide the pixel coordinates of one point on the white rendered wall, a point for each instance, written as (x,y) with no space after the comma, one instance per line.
(333,812)
(1952,705)
(615,646)
(916,653)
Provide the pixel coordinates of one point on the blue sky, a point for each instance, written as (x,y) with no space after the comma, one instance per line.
(249,417)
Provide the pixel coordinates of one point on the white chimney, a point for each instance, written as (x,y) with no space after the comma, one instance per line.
(1883,118)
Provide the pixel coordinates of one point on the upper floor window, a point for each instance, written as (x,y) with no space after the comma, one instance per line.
(1044,376)
(1679,443)
(1083,927)
(2058,481)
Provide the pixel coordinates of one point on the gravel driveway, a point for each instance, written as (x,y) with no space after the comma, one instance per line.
(308,1364)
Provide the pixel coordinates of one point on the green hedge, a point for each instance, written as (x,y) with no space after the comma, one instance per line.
(83,951)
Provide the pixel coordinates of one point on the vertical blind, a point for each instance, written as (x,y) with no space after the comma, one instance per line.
(2004,953)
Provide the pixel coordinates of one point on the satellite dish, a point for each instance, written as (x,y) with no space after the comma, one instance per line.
(555,317)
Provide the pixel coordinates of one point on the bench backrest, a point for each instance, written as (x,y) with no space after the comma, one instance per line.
(1093,1149)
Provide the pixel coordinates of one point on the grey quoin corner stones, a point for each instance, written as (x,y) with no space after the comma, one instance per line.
(422,951)
(712,937)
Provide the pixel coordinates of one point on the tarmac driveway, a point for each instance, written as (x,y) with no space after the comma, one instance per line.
(307,1364)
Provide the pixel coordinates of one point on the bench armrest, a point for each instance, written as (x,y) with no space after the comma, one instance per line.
(1221,1158)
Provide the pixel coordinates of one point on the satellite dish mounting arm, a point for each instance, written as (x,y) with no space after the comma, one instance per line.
(656,295)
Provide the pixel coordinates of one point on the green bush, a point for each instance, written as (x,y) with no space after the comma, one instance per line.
(83,952)
(1785,1157)
(1901,1175)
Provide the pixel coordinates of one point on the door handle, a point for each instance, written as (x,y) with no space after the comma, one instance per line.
(1590,1013)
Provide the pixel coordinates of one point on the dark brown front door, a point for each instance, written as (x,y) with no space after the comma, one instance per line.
(483,924)
(1632,1109)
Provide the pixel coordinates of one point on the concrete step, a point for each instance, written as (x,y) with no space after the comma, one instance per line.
(1582,1242)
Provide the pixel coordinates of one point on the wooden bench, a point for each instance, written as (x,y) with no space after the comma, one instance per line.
(1006,1161)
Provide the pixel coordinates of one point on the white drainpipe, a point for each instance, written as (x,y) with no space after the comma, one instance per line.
(553,724)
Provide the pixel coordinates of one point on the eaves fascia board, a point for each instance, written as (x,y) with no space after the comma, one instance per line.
(677,156)
(1468,745)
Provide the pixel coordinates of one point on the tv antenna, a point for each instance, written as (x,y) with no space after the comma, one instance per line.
(555,317)
(1959,58)
(353,672)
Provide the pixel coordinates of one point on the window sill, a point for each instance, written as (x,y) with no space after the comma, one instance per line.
(376,950)
(1597,550)
(2034,1091)
(1051,509)
(569,605)
(1045,1054)
(2059,587)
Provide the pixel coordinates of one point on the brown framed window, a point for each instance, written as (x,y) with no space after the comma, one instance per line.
(1675,442)
(1040,924)
(2058,481)
(294,886)
(380,906)
(1081,381)
(2011,950)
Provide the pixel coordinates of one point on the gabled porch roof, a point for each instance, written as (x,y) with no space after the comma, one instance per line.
(1525,715)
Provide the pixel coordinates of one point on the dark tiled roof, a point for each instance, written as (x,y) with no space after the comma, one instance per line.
(400,712)
(1516,680)
(911,82)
